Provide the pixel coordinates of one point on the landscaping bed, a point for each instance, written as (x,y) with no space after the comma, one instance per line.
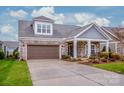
(14,73)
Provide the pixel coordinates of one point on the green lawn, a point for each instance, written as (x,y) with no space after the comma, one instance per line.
(117,67)
(14,73)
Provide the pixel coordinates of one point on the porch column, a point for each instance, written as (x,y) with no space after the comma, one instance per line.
(89,48)
(116,46)
(75,48)
(107,46)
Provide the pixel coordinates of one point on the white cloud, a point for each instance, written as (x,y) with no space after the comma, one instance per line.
(8,32)
(86,18)
(122,24)
(7,29)
(18,14)
(50,13)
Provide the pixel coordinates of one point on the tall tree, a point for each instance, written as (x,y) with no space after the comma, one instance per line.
(120,34)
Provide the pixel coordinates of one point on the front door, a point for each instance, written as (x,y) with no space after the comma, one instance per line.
(70,49)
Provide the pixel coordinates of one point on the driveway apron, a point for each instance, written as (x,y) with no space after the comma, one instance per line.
(54,72)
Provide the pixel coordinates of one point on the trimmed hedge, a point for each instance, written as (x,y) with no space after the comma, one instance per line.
(2,55)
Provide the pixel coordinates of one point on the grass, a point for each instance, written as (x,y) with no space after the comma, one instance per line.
(14,73)
(117,67)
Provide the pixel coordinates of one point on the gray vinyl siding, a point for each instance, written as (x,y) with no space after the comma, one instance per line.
(92,33)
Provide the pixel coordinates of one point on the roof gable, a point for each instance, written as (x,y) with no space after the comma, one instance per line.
(98,29)
(43,19)
(92,33)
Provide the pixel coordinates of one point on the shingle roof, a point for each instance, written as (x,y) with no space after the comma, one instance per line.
(43,19)
(59,30)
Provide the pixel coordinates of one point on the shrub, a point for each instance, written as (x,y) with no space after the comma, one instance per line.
(115,56)
(103,59)
(104,49)
(79,59)
(96,61)
(2,55)
(16,54)
(104,55)
(73,60)
(92,57)
(112,59)
(65,56)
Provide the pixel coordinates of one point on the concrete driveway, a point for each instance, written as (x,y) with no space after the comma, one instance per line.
(61,73)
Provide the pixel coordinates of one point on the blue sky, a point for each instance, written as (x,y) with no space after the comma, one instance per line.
(73,15)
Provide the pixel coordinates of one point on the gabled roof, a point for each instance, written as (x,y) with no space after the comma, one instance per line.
(60,30)
(93,32)
(43,19)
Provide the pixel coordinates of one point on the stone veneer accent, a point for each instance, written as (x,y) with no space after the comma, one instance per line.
(23,46)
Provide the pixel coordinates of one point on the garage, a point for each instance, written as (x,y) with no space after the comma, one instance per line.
(42,51)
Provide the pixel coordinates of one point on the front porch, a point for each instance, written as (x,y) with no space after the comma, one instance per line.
(85,48)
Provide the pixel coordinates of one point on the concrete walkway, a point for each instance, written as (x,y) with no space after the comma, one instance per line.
(62,73)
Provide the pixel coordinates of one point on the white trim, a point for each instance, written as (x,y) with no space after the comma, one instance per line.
(116,46)
(102,32)
(43,23)
(89,48)
(110,33)
(84,30)
(114,42)
(85,39)
(41,39)
(75,48)
(97,28)
(60,51)
(107,46)
(94,48)
(110,42)
(86,48)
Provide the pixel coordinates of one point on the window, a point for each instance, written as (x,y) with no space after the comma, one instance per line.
(93,49)
(39,28)
(48,28)
(44,28)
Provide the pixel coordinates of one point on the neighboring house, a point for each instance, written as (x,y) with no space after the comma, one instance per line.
(41,38)
(9,47)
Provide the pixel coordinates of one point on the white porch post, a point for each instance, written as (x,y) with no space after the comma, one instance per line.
(75,48)
(107,46)
(116,46)
(89,48)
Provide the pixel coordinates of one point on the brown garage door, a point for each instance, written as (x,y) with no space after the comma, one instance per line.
(42,51)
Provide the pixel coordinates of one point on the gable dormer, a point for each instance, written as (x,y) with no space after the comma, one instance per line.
(43,26)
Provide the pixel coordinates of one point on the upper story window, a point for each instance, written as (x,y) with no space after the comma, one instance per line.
(43,28)
(38,28)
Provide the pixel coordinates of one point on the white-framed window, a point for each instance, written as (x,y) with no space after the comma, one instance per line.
(93,49)
(43,28)
(38,28)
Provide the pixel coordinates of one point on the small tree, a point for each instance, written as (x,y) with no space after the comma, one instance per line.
(120,35)
(2,55)
(16,53)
